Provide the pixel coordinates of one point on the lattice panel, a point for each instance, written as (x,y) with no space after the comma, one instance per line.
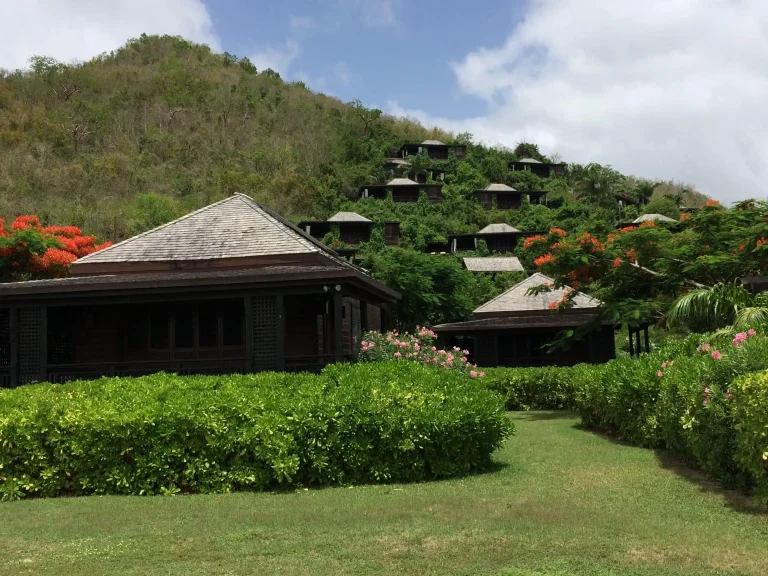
(5,338)
(30,344)
(485,349)
(264,310)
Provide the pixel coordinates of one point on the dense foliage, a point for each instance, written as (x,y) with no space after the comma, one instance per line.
(168,434)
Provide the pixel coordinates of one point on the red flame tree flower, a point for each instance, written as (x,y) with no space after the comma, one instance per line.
(30,251)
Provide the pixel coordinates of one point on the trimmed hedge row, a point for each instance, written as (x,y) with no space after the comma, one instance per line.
(166,434)
(545,388)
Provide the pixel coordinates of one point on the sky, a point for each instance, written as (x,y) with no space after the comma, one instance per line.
(662,89)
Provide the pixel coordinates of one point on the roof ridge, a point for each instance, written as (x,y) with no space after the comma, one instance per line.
(179,219)
(281,224)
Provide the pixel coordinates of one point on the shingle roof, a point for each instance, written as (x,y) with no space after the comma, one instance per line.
(397,161)
(347,217)
(529,161)
(564,320)
(402,182)
(517,299)
(493,264)
(498,188)
(498,229)
(432,143)
(653,217)
(233,228)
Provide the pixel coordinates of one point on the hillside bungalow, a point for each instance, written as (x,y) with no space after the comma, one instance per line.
(435,149)
(493,264)
(503,197)
(540,169)
(232,287)
(653,218)
(403,190)
(500,238)
(353,229)
(402,168)
(514,329)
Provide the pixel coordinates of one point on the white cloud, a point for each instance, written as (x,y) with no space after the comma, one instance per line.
(81,29)
(378,12)
(278,58)
(671,89)
(302,22)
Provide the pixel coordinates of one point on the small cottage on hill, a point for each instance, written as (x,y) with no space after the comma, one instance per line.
(435,149)
(540,169)
(499,238)
(232,287)
(353,229)
(403,190)
(514,329)
(503,197)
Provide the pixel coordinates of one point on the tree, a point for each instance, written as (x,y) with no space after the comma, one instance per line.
(723,305)
(598,185)
(367,115)
(644,190)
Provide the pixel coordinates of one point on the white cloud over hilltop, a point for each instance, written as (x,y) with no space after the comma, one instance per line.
(80,29)
(668,89)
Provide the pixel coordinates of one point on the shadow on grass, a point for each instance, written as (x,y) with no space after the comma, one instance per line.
(733,499)
(545,415)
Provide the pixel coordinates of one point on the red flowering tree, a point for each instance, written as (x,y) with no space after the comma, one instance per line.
(30,251)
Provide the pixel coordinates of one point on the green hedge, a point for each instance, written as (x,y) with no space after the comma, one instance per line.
(165,434)
(546,388)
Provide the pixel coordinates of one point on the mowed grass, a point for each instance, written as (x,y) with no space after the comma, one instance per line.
(563,501)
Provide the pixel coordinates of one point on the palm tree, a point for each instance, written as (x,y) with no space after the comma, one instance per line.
(644,190)
(723,305)
(597,185)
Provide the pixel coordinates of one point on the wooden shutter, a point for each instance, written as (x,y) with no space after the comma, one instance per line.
(30,344)
(265,345)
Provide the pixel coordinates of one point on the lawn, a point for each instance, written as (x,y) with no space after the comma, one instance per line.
(562,501)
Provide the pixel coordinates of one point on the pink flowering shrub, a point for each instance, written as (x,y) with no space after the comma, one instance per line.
(417,347)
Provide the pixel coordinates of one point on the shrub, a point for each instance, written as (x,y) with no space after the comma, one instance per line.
(545,388)
(419,347)
(751,413)
(166,433)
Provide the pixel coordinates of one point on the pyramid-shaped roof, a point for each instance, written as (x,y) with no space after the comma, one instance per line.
(402,182)
(653,218)
(529,161)
(347,217)
(432,143)
(517,299)
(498,188)
(236,227)
(493,264)
(498,229)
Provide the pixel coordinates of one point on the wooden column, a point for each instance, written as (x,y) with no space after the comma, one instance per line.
(248,307)
(14,366)
(363,316)
(280,333)
(337,325)
(631,342)
(43,344)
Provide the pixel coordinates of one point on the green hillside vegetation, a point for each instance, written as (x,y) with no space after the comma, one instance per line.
(162,126)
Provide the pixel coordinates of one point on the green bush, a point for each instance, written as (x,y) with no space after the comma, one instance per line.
(546,388)
(166,433)
(751,414)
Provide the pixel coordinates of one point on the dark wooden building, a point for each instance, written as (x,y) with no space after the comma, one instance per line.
(500,238)
(540,169)
(514,329)
(403,190)
(400,167)
(503,197)
(232,287)
(435,149)
(353,230)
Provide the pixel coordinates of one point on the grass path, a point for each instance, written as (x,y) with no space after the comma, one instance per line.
(564,501)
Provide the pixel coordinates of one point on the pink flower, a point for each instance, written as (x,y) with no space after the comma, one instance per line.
(371,345)
(751,332)
(728,395)
(706,390)
(706,401)
(434,349)
(739,338)
(473,374)
(465,352)
(703,348)
(716,355)
(463,359)
(434,360)
(663,365)
(481,374)
(397,354)
(659,373)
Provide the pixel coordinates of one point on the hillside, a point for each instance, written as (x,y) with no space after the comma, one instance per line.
(162,126)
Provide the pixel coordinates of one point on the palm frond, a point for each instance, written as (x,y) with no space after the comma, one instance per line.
(751,317)
(704,308)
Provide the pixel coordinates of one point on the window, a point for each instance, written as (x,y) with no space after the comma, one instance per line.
(185,326)
(232,313)
(159,324)
(208,323)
